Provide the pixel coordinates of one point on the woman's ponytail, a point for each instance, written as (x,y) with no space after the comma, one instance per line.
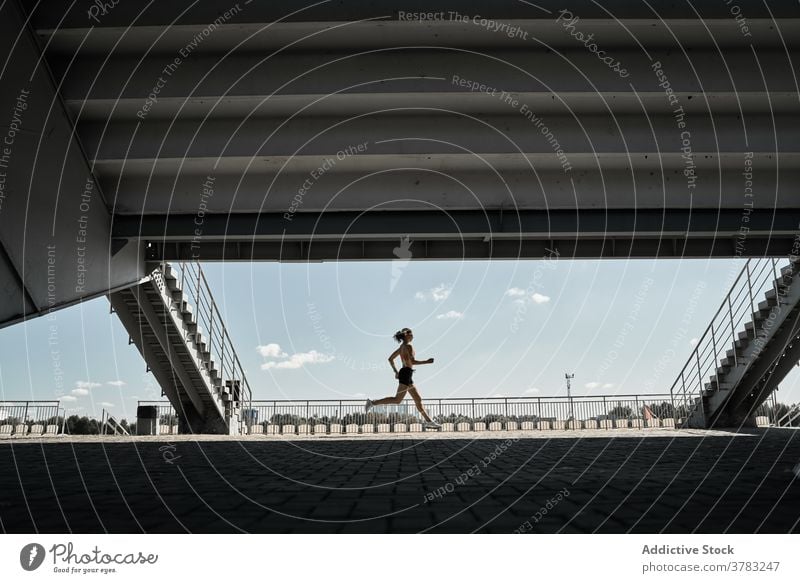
(400,334)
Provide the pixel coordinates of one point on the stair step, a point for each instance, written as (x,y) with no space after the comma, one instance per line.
(168,273)
(767,304)
(760,314)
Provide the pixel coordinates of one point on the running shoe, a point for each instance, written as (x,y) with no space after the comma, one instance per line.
(431,425)
(368,406)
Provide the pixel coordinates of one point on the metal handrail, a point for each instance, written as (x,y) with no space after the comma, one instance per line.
(720,336)
(792,414)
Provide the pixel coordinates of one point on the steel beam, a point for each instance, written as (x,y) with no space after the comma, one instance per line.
(421,70)
(68,14)
(496,223)
(440,133)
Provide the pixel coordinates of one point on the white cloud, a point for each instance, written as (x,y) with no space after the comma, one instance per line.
(271,351)
(596,385)
(522,298)
(80,392)
(68,398)
(439,293)
(693,342)
(87,385)
(451,315)
(531,391)
(538,298)
(299,359)
(117,383)
(106,404)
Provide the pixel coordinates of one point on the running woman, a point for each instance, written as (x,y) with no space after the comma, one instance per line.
(406,354)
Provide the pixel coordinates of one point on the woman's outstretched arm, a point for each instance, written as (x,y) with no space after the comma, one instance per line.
(415,361)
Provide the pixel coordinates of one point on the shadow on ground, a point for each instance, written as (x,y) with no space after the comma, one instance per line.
(740,483)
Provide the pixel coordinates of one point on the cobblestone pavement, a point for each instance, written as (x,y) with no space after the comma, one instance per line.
(602,481)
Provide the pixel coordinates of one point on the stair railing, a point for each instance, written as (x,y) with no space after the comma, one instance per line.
(230,373)
(748,289)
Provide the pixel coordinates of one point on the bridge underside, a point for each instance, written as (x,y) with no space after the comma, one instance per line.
(277,131)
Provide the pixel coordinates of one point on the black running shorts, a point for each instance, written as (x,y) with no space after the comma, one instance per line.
(404,376)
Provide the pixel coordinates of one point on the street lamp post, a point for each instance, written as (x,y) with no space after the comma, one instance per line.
(569,377)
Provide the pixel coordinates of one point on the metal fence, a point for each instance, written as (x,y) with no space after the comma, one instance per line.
(756,278)
(588,412)
(279,413)
(31,418)
(455,410)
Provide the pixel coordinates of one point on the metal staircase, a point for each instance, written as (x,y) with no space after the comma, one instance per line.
(174,322)
(748,348)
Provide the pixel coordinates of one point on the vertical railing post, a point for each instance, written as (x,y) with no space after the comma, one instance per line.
(699,375)
(197,297)
(749,283)
(733,329)
(211,331)
(713,343)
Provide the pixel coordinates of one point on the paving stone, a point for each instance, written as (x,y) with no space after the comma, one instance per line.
(647,481)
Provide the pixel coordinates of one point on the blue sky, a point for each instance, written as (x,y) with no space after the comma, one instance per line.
(323,331)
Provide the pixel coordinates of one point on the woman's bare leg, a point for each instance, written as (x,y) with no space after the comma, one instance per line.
(396,400)
(412,390)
